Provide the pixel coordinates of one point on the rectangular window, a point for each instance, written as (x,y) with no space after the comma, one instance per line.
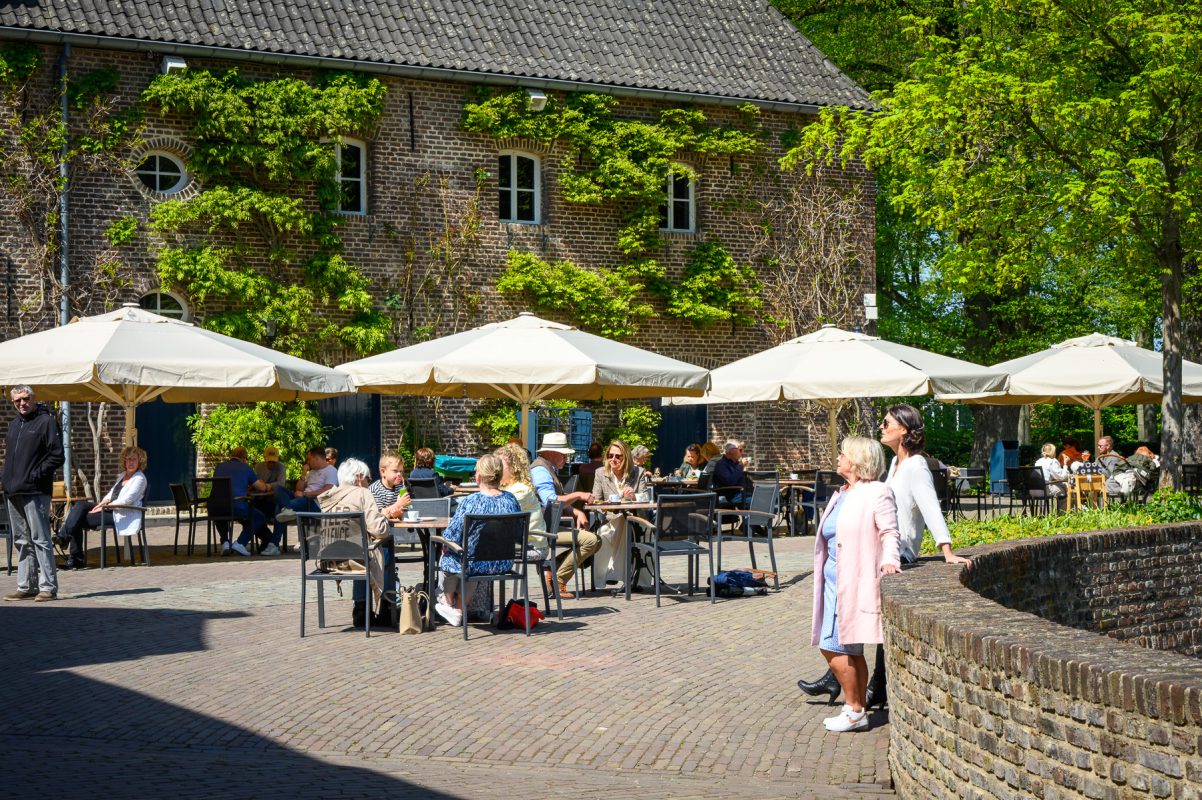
(352,182)
(517,188)
(676,214)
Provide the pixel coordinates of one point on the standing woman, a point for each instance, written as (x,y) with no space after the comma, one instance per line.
(618,478)
(913,489)
(857,543)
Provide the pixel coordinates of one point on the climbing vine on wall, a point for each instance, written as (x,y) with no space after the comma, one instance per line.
(260,241)
(606,159)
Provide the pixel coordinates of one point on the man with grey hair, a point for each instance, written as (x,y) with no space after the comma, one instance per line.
(33,452)
(729,479)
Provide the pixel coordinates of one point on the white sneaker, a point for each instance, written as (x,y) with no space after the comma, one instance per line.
(270,550)
(848,721)
(285,515)
(452,615)
(238,548)
(829,720)
(225,548)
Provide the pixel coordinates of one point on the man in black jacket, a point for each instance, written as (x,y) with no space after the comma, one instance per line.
(33,452)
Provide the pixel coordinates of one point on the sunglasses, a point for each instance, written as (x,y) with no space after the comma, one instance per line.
(614,455)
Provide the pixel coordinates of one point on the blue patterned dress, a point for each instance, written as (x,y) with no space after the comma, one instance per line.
(477,503)
(830,574)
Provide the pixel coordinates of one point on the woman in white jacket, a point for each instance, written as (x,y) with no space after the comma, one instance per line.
(129,490)
(1054,474)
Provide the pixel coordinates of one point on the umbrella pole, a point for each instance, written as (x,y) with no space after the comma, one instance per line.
(832,424)
(524,426)
(1097,427)
(131,425)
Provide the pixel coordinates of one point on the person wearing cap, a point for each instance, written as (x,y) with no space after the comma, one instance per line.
(242,482)
(552,455)
(271,470)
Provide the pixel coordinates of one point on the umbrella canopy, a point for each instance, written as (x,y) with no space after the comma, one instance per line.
(832,366)
(1095,371)
(526,359)
(130,356)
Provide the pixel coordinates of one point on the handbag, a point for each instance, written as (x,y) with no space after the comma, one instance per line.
(412,615)
(514,615)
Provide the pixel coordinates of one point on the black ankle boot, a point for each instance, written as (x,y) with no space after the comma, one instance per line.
(359,614)
(878,693)
(827,684)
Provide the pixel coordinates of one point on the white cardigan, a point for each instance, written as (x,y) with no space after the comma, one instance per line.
(917,505)
(127,523)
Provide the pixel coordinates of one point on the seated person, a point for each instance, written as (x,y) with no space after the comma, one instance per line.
(320,478)
(86,515)
(711,454)
(423,470)
(389,491)
(332,457)
(1146,466)
(452,599)
(351,494)
(1071,454)
(1054,474)
(618,480)
(588,470)
(271,470)
(242,482)
(544,477)
(690,467)
(641,457)
(515,479)
(730,480)
(1120,476)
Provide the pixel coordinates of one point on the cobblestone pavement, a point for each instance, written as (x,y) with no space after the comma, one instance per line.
(188,680)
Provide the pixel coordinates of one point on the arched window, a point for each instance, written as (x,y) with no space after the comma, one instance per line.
(677,213)
(352,176)
(168,305)
(162,172)
(518,193)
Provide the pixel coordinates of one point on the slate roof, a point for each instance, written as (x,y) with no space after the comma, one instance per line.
(720,48)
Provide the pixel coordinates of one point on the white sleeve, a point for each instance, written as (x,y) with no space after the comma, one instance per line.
(922,488)
(132,491)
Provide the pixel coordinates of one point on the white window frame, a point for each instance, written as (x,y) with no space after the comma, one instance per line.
(178,186)
(513,156)
(183,314)
(669,205)
(362,179)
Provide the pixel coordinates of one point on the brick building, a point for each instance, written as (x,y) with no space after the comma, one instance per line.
(417,167)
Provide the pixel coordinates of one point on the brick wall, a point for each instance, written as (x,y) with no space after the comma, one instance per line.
(421,168)
(1003,699)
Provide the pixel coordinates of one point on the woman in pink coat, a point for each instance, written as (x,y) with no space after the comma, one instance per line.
(857,542)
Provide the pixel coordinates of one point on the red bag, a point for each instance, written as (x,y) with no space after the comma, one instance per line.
(515,612)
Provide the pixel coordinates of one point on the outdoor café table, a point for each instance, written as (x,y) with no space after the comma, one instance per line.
(417,531)
(265,502)
(466,488)
(625,508)
(791,489)
(670,481)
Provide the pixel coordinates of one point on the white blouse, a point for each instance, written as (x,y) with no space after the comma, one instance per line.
(917,505)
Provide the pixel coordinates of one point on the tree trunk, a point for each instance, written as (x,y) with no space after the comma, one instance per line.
(1172,275)
(989,424)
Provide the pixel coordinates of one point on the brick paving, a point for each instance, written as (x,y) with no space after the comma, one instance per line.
(188,680)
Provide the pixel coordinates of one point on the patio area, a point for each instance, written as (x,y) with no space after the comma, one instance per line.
(188,679)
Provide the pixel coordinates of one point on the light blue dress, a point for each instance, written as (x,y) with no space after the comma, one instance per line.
(830,574)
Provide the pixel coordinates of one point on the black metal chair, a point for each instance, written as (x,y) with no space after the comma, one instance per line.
(1016,487)
(971,481)
(1035,490)
(826,483)
(423,488)
(219,503)
(185,505)
(761,514)
(328,537)
(682,522)
(942,489)
(492,537)
(6,530)
(1191,479)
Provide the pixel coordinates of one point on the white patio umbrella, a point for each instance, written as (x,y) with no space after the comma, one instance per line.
(131,356)
(1095,371)
(526,359)
(832,366)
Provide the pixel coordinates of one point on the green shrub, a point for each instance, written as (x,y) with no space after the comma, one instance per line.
(292,427)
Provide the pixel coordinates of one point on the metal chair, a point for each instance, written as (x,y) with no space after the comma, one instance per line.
(558,522)
(331,537)
(761,513)
(220,506)
(184,504)
(492,537)
(1191,479)
(107,523)
(423,488)
(6,530)
(682,522)
(826,483)
(1016,487)
(1035,490)
(942,489)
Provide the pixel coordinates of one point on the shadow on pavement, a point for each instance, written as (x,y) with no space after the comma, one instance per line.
(70,736)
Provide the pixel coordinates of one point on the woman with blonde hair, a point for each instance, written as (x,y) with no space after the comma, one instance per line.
(490,499)
(618,480)
(86,515)
(857,543)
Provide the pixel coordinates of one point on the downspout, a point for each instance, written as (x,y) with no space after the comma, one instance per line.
(64,304)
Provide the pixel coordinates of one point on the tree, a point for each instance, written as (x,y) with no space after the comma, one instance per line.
(1049,135)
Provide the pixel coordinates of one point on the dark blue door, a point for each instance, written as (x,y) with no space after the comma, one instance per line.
(170,457)
(353,423)
(679,427)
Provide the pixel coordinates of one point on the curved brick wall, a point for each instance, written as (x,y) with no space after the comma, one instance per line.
(1032,676)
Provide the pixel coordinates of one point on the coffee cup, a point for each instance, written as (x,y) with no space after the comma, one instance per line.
(614,498)
(411,515)
(792,476)
(641,497)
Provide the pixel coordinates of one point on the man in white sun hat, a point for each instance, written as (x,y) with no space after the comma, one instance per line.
(552,454)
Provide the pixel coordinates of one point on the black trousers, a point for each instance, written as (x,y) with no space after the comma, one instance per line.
(81,517)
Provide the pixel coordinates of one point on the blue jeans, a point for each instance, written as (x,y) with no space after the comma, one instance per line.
(257,523)
(286,499)
(29,516)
